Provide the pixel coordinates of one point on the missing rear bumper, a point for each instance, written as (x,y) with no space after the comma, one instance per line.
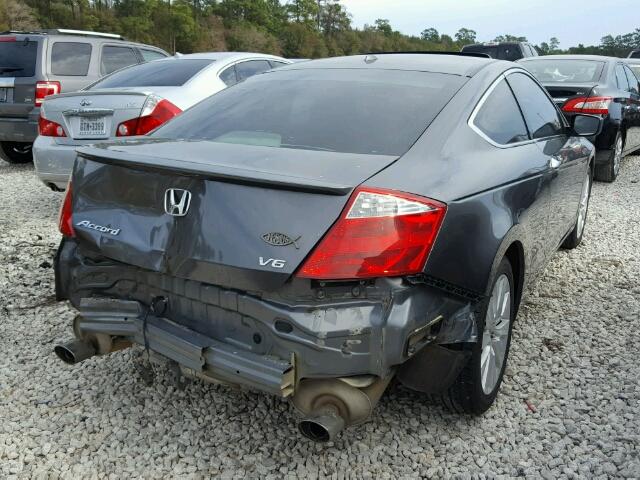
(202,355)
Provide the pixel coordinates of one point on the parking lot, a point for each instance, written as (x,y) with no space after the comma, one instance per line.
(569,407)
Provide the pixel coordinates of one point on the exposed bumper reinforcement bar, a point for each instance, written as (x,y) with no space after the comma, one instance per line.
(206,356)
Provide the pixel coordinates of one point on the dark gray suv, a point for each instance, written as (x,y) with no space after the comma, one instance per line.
(36,64)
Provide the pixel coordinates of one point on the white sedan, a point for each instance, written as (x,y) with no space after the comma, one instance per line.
(133,101)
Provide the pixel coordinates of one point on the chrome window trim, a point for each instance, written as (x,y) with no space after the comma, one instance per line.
(487,93)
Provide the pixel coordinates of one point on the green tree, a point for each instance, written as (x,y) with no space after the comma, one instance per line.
(509,38)
(15,15)
(334,18)
(430,35)
(304,11)
(384,27)
(246,37)
(466,36)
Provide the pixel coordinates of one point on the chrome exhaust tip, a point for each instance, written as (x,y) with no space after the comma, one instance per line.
(74,352)
(322,428)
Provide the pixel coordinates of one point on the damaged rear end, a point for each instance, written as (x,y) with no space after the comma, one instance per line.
(273,268)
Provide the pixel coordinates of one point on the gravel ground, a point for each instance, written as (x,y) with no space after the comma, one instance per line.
(569,407)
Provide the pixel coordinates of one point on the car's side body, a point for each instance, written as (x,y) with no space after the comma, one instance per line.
(67,59)
(243,311)
(613,80)
(209,73)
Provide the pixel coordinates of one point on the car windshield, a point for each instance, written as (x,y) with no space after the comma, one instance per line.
(17,58)
(565,71)
(173,72)
(380,112)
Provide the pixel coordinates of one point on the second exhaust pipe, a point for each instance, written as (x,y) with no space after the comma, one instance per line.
(75,351)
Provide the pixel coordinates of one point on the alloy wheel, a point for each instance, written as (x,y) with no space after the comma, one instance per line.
(496,334)
(617,156)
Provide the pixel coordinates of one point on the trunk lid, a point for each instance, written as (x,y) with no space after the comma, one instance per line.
(95,114)
(254,215)
(561,92)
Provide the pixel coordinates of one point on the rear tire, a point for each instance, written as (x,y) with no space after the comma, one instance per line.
(17,152)
(475,390)
(608,172)
(575,237)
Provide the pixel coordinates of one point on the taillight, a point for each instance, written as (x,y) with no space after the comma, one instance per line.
(380,233)
(155,112)
(593,105)
(7,39)
(65,219)
(47,128)
(44,89)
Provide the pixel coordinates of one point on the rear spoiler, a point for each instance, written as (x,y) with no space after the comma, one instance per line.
(213,171)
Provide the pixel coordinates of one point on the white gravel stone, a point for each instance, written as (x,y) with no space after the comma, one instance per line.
(574,359)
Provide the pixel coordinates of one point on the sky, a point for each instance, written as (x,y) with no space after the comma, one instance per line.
(571,21)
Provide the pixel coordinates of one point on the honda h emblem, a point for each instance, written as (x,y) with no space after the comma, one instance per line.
(176,202)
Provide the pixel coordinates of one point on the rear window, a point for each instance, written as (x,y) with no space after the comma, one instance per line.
(18,58)
(379,112)
(507,51)
(165,73)
(491,50)
(70,58)
(565,71)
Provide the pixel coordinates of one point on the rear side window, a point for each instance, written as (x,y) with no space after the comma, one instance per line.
(248,69)
(70,58)
(499,117)
(228,76)
(115,58)
(621,78)
(276,64)
(635,54)
(17,58)
(376,112)
(151,55)
(633,80)
(540,114)
(165,73)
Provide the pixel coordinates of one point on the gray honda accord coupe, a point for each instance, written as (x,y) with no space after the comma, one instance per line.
(321,228)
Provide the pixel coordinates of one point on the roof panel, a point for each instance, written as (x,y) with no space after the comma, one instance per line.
(449,64)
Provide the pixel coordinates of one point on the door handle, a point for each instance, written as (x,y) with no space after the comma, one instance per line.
(554,162)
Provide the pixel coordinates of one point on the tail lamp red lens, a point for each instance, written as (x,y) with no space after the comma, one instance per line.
(155,112)
(65,219)
(47,128)
(44,89)
(380,233)
(7,39)
(592,105)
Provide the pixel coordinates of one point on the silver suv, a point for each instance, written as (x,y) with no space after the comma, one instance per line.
(40,63)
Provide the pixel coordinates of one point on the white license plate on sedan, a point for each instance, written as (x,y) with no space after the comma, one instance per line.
(92,127)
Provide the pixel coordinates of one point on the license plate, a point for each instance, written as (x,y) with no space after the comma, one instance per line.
(3,94)
(92,127)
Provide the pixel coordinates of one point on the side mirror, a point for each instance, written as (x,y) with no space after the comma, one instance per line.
(586,125)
